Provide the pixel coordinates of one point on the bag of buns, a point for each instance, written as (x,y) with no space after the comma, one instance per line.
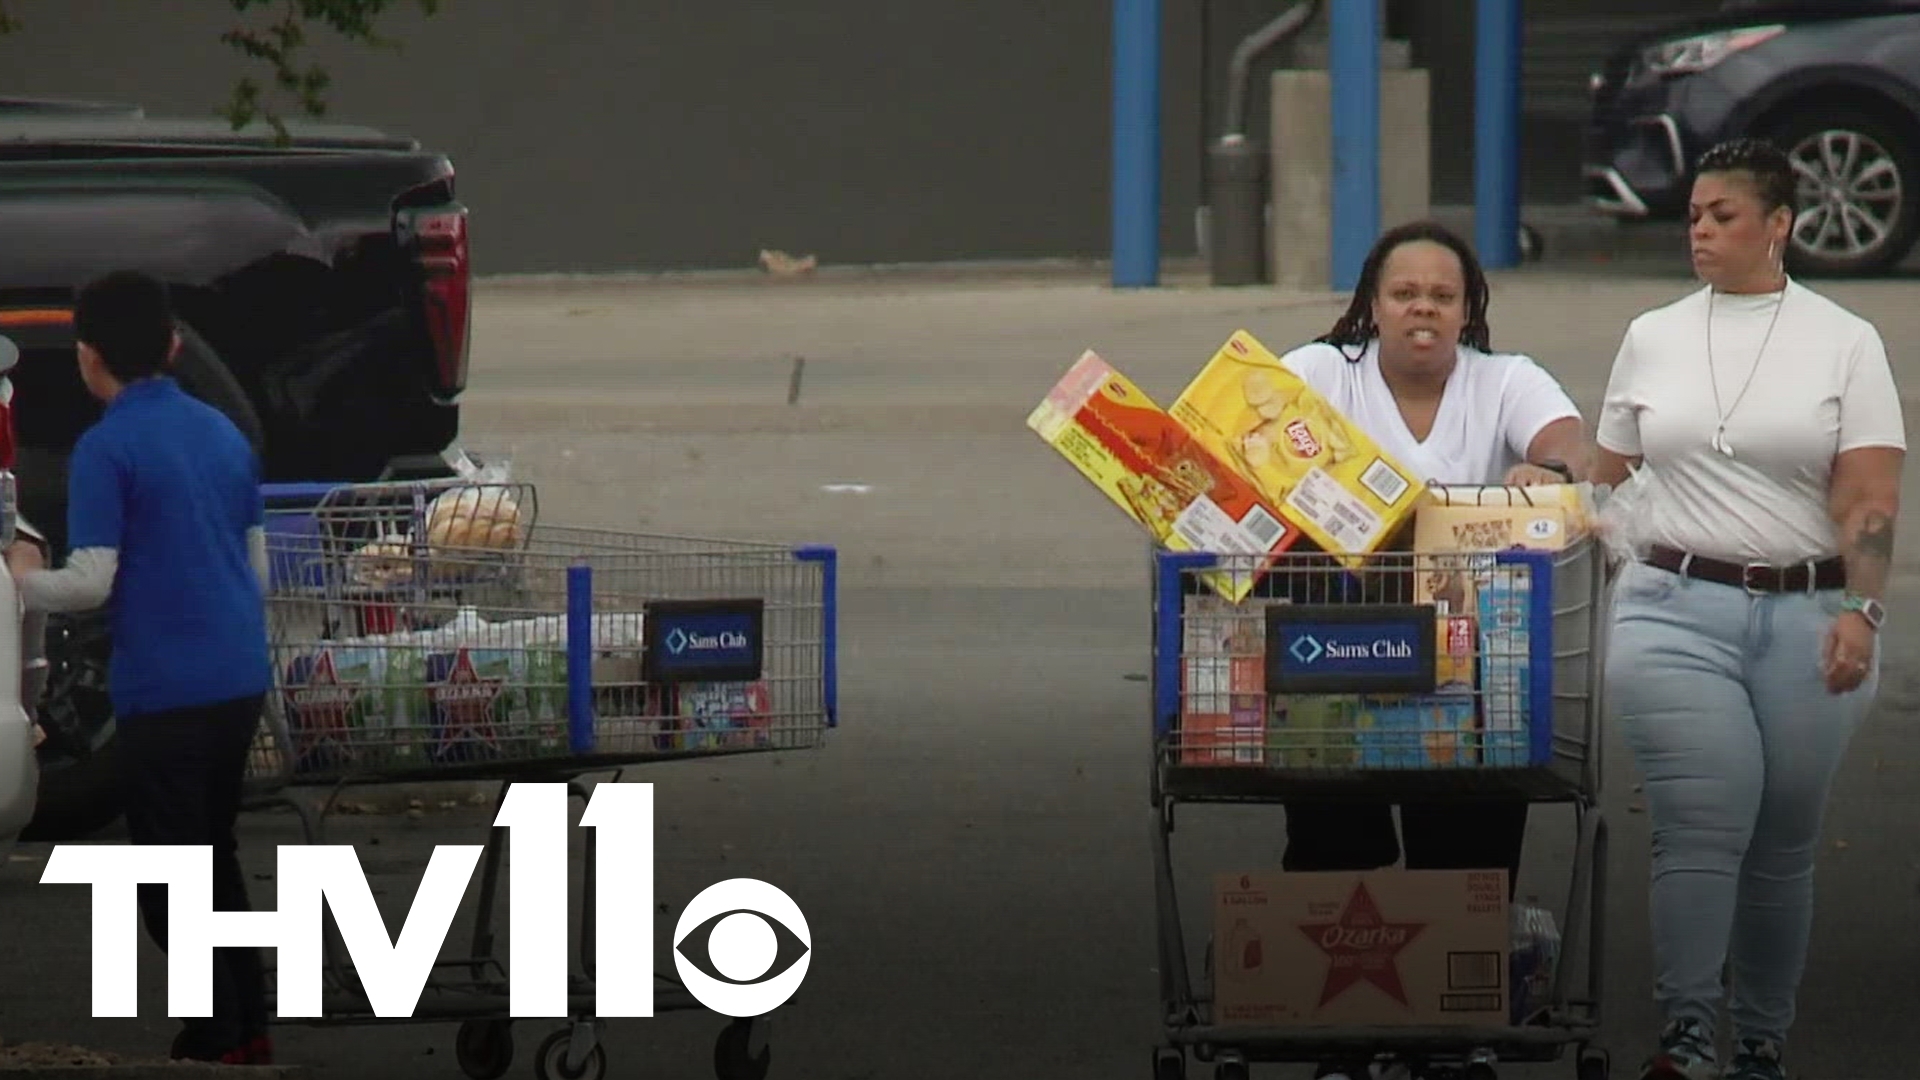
(486,518)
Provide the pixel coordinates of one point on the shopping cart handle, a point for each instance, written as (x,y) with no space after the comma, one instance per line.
(306,493)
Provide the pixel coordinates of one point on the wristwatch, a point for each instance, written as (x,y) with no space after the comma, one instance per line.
(1559,467)
(1869,609)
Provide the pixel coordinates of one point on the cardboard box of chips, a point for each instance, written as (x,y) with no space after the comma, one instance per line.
(1313,465)
(1186,498)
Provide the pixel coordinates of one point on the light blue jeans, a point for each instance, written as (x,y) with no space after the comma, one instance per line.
(1720,695)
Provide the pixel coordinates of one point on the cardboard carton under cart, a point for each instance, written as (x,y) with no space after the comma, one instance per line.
(435,630)
(1389,676)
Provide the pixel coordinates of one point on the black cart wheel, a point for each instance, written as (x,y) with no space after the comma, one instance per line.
(733,1056)
(1233,1068)
(484,1048)
(551,1062)
(1169,1064)
(1480,1070)
(1594,1065)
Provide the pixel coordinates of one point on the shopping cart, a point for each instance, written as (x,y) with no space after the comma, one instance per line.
(1525,725)
(435,630)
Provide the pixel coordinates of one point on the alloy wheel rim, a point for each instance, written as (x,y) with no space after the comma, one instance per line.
(1850,193)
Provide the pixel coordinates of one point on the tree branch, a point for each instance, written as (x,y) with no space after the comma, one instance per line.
(278,43)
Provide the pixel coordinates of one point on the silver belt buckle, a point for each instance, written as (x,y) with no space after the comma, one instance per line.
(1746,578)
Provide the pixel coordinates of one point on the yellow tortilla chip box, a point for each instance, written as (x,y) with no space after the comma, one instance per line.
(1186,498)
(1315,466)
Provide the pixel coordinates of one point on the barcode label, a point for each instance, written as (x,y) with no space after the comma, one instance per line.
(1381,479)
(1319,498)
(1473,971)
(1265,529)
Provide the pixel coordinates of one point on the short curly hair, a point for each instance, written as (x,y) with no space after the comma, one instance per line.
(1766,166)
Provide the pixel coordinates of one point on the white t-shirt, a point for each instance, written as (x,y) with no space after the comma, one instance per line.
(1822,387)
(1493,406)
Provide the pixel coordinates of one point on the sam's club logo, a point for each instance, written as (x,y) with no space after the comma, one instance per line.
(1307,648)
(679,641)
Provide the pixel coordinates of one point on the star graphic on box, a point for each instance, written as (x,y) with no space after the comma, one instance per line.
(321,704)
(464,704)
(1361,946)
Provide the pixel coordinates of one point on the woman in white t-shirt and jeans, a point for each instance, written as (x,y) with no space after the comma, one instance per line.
(1412,365)
(1743,653)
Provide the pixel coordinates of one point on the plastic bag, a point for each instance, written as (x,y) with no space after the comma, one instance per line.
(1623,515)
(483,513)
(473,472)
(1534,957)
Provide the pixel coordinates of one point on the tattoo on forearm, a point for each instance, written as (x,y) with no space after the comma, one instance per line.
(1869,553)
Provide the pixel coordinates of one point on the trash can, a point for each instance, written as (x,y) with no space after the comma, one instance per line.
(1237,200)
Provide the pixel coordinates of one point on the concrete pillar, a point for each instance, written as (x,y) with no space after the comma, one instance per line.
(1301,162)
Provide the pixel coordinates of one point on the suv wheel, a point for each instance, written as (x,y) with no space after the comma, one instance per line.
(1859,191)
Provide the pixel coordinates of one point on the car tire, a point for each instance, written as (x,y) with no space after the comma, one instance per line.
(80,793)
(1888,156)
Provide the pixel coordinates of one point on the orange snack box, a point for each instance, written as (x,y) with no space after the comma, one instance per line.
(1150,466)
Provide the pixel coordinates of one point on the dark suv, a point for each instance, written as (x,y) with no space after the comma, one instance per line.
(1836,85)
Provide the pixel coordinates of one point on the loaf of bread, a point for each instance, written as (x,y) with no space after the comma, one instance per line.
(387,561)
(487,518)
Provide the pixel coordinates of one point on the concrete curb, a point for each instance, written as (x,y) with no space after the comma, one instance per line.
(1566,230)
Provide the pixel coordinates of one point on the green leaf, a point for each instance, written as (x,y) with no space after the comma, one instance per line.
(277,43)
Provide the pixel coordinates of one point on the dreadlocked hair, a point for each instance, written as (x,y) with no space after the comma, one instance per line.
(1356,328)
(1766,167)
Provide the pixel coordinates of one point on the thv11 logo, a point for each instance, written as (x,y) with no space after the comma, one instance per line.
(730,943)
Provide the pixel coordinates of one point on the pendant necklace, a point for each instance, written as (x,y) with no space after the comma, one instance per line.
(1719,441)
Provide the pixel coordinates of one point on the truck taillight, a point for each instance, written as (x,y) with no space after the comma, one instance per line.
(445,261)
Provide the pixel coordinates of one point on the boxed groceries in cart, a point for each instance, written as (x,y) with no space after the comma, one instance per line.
(1478,709)
(1322,472)
(1380,947)
(474,690)
(1374,948)
(1185,497)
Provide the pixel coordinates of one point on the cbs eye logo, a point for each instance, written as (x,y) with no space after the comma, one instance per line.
(742,947)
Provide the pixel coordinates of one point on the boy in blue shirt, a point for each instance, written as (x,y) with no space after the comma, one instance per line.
(166,528)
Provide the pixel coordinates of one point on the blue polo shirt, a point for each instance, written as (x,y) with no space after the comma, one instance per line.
(171,484)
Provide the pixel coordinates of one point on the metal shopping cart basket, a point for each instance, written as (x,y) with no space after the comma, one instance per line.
(435,630)
(1314,718)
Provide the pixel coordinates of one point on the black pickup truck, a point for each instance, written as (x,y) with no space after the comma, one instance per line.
(325,288)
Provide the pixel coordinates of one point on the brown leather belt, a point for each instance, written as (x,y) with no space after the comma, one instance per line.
(1753,577)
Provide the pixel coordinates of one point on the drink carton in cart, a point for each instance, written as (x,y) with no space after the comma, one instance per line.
(1187,498)
(1464,527)
(1223,699)
(1322,472)
(1376,948)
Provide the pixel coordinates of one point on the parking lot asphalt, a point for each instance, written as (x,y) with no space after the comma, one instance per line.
(971,847)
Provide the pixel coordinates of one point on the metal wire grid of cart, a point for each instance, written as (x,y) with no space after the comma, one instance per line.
(1532,731)
(435,630)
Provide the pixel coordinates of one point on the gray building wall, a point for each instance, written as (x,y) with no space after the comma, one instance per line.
(649,135)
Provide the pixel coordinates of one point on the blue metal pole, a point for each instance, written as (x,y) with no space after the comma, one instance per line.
(1136,143)
(1496,132)
(1353,52)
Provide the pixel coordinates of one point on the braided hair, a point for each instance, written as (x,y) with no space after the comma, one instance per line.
(1356,328)
(1765,165)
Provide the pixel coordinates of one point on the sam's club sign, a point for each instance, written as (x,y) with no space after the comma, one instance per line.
(703,640)
(1350,649)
